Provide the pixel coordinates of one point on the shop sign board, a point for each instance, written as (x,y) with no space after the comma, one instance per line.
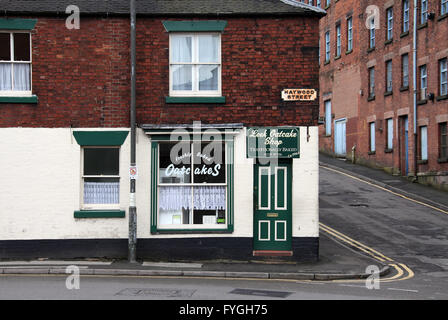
(273,142)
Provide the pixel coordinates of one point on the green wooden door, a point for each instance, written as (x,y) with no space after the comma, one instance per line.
(273,207)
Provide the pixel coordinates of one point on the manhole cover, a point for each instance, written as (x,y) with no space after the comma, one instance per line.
(261,293)
(170,293)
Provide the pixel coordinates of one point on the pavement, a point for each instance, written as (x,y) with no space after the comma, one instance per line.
(336,261)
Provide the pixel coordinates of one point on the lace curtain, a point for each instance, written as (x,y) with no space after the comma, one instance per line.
(204,198)
(101,192)
(22,80)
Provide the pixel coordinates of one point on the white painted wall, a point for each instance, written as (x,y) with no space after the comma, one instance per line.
(40,183)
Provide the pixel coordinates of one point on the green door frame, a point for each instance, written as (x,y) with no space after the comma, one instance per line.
(273,206)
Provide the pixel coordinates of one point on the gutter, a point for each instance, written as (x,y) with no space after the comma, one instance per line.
(414,76)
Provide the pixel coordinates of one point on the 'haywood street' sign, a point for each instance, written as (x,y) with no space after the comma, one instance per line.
(299,95)
(273,142)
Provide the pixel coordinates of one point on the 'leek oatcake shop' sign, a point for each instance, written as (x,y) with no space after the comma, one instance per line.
(273,142)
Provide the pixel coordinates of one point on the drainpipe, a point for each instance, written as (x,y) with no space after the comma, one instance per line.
(414,49)
(132,241)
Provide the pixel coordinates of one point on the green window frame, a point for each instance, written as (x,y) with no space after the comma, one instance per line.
(99,139)
(155,229)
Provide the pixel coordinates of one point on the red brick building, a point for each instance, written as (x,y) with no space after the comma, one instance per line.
(64,124)
(368,90)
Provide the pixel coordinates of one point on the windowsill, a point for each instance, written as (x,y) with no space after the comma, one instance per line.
(440,98)
(422,26)
(19,99)
(191,231)
(442,160)
(92,214)
(337,57)
(404,89)
(326,62)
(404,34)
(388,93)
(195,100)
(421,102)
(370,50)
(422,162)
(327,135)
(388,150)
(371,153)
(388,42)
(349,51)
(442,17)
(371,98)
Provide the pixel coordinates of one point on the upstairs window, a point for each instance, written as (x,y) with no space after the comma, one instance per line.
(405,71)
(390,24)
(389,79)
(15,63)
(338,40)
(423,11)
(405,16)
(372,34)
(443,67)
(371,83)
(195,64)
(327,46)
(443,7)
(349,34)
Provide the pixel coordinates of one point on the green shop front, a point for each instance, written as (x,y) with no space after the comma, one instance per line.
(226,191)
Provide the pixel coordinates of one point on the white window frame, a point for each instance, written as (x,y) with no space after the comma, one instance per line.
(424,143)
(423,11)
(443,7)
(195,63)
(328,117)
(338,40)
(443,67)
(390,23)
(423,81)
(83,177)
(372,34)
(390,133)
(405,16)
(372,143)
(389,76)
(350,34)
(13,93)
(192,184)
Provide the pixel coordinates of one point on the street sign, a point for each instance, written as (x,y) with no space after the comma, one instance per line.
(133,172)
(299,95)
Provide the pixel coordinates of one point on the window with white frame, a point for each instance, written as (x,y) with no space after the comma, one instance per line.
(389,79)
(372,33)
(195,64)
(423,143)
(371,82)
(338,40)
(328,117)
(443,7)
(372,145)
(390,23)
(405,70)
(390,134)
(350,34)
(443,67)
(15,63)
(192,185)
(101,178)
(423,11)
(405,16)
(423,82)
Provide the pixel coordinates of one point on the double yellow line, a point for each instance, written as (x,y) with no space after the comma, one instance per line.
(403,271)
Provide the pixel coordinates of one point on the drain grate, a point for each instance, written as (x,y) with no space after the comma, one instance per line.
(169,293)
(261,293)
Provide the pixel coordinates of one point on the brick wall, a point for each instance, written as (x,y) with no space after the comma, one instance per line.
(82,77)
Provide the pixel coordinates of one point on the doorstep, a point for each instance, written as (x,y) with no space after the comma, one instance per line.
(271,253)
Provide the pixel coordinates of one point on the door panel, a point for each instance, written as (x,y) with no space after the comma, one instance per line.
(272,215)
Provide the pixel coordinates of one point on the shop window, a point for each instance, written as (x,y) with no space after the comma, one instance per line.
(328,118)
(390,134)
(192,185)
(15,64)
(195,64)
(423,143)
(101,178)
